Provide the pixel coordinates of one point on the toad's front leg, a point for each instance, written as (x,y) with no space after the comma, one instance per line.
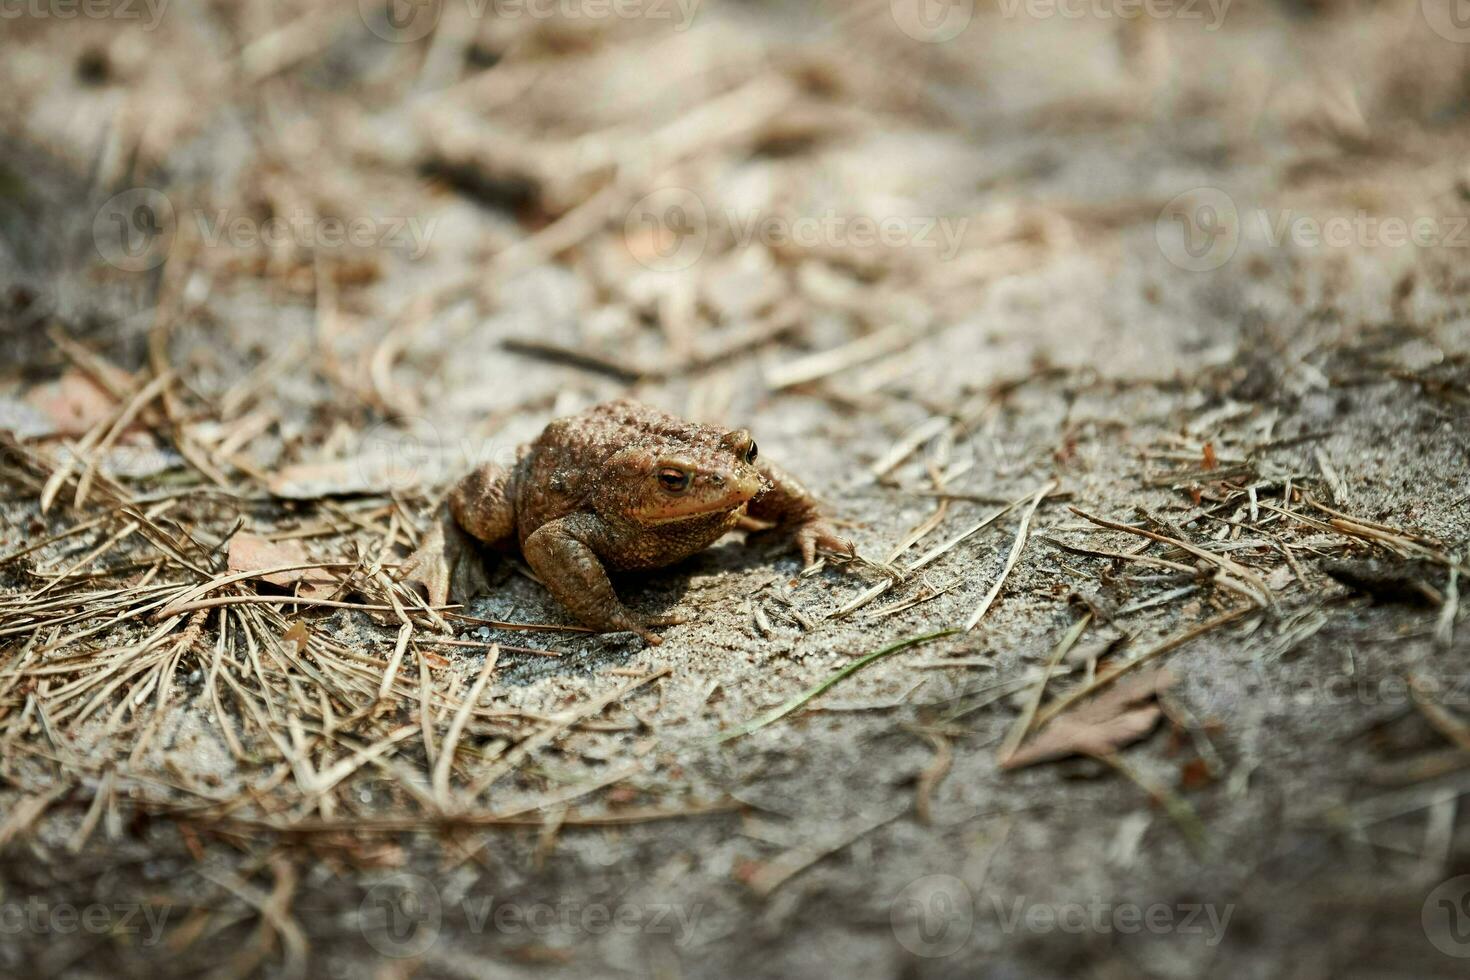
(561,556)
(792,508)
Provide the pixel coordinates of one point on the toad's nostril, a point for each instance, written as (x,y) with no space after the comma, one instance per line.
(717,480)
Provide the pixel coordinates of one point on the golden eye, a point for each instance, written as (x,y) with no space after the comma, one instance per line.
(751,453)
(673,480)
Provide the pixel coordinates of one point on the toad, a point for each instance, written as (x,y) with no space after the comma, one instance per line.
(621,487)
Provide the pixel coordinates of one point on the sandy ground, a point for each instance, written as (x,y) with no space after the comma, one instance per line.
(278,272)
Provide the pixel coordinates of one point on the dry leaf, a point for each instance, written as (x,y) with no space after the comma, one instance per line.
(299,635)
(74,403)
(400,468)
(309,481)
(1101,726)
(251,553)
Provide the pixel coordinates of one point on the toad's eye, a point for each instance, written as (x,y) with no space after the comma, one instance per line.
(751,453)
(673,480)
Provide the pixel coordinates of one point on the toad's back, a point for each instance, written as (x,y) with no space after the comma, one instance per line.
(565,471)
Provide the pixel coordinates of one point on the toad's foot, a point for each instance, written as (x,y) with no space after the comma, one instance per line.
(807,537)
(819,533)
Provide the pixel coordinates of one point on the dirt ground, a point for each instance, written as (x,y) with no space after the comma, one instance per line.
(1132,341)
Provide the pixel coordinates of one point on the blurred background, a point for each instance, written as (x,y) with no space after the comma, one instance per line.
(664,181)
(375,243)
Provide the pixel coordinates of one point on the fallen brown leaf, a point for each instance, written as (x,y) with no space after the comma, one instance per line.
(251,552)
(74,402)
(298,635)
(1099,727)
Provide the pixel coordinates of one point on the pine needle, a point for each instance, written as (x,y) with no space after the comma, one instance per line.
(777,714)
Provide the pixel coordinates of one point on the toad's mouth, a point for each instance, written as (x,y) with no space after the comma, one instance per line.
(664,517)
(685,509)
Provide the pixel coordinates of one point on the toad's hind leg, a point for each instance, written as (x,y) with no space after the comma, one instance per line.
(446,563)
(483,503)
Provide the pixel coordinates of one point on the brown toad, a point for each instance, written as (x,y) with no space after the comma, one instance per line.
(620,487)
